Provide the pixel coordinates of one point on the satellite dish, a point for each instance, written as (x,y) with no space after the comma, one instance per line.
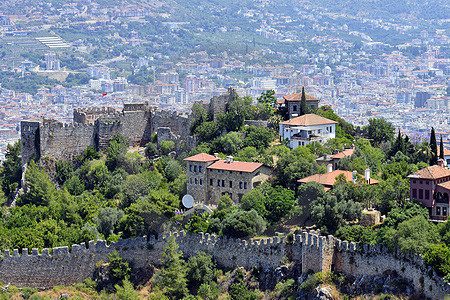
(188,201)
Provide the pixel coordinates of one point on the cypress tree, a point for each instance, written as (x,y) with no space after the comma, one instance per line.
(303,103)
(433,148)
(441,149)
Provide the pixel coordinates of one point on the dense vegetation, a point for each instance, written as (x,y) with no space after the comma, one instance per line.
(124,194)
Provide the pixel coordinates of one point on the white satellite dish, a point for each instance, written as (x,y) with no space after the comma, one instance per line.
(188,201)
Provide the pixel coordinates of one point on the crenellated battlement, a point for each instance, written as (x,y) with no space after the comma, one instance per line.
(67,265)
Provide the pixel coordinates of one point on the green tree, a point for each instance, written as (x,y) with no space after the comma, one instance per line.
(303,107)
(256,200)
(441,148)
(107,219)
(329,214)
(415,235)
(151,150)
(229,143)
(240,224)
(167,147)
(438,256)
(433,147)
(200,269)
(64,170)
(126,291)
(11,171)
(258,137)
(115,153)
(207,131)
(295,165)
(278,203)
(268,98)
(40,189)
(379,131)
(172,277)
(119,269)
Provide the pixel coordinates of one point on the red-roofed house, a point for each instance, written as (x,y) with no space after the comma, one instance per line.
(431,186)
(292,102)
(307,129)
(209,177)
(329,179)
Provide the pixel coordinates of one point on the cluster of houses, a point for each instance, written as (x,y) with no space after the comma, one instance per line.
(210,177)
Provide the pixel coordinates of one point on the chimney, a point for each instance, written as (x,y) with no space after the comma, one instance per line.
(440,162)
(329,168)
(229,159)
(216,155)
(367,175)
(354,176)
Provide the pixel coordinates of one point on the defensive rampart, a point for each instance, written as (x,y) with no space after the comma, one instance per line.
(59,266)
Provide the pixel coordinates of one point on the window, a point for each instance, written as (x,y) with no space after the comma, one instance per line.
(195,168)
(223,183)
(414,193)
(294,108)
(218,182)
(245,185)
(444,211)
(211,182)
(200,169)
(420,194)
(331,129)
(231,184)
(421,182)
(414,181)
(231,172)
(190,168)
(240,185)
(196,181)
(240,172)
(427,194)
(427,182)
(190,181)
(201,182)
(438,210)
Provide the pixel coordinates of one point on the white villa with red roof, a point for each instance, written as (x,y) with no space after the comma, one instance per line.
(307,129)
(209,177)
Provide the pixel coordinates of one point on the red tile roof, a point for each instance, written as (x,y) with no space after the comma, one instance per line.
(297,97)
(329,179)
(446,152)
(202,157)
(345,153)
(432,172)
(240,166)
(308,120)
(445,185)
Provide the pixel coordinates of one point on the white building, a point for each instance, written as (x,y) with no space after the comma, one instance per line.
(307,129)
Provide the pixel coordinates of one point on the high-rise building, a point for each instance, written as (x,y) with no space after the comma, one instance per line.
(52,63)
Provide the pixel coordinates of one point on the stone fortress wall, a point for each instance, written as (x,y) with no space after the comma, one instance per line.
(96,127)
(59,266)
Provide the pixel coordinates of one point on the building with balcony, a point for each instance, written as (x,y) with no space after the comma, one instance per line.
(431,187)
(307,129)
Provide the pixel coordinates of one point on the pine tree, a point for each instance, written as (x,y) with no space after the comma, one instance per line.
(433,148)
(303,103)
(441,149)
(172,278)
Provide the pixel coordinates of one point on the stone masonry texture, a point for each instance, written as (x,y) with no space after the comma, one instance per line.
(59,266)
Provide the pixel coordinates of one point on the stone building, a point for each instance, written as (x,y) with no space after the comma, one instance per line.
(209,177)
(293,103)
